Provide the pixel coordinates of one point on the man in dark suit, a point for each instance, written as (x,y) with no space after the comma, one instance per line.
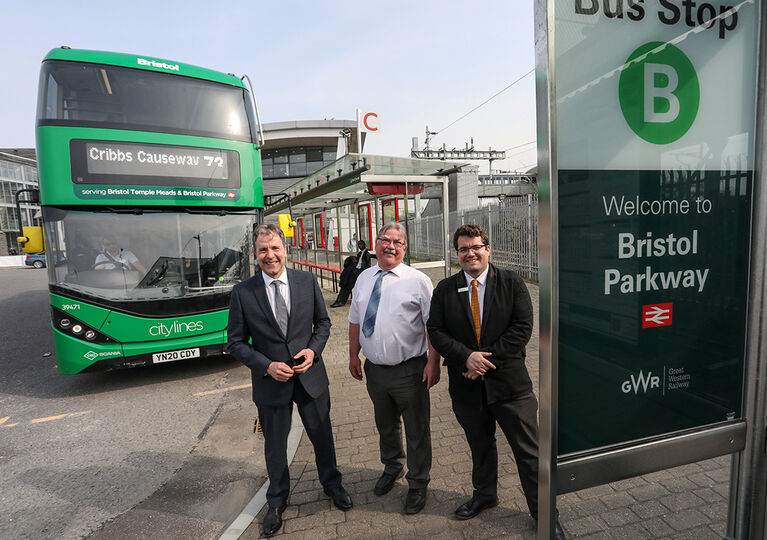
(353,267)
(278,327)
(480,321)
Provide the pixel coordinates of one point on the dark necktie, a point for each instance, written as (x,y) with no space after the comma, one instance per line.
(369,323)
(280,308)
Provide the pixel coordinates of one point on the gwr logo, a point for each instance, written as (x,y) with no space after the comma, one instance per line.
(642,381)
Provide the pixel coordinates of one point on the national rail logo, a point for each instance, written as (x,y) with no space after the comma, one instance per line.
(659,92)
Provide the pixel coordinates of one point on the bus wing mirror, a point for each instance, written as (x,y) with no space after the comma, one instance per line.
(286,224)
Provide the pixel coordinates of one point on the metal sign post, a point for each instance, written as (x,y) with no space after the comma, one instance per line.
(646,172)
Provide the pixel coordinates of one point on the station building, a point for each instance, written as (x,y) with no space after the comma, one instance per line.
(296,149)
(18,170)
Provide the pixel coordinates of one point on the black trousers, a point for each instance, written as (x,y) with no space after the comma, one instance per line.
(275,423)
(518,419)
(399,395)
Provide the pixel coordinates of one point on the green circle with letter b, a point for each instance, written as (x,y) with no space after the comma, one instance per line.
(659,92)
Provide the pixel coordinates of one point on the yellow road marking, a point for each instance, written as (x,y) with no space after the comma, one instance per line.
(48,418)
(219,390)
(4,420)
(10,425)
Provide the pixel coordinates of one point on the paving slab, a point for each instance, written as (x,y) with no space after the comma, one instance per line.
(684,501)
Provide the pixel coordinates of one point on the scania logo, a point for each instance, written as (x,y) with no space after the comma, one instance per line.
(155,63)
(175,327)
(92,355)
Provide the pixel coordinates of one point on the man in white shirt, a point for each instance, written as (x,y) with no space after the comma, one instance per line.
(352,244)
(116,258)
(387,321)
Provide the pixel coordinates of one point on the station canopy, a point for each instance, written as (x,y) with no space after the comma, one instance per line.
(348,179)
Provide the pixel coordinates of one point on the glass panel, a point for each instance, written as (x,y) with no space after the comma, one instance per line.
(329,153)
(314,154)
(30,174)
(267,171)
(313,166)
(298,169)
(297,155)
(11,219)
(123,98)
(127,257)
(281,170)
(280,156)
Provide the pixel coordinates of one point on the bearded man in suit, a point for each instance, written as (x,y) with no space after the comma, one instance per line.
(480,321)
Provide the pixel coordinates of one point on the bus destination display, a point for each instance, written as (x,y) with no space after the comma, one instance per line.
(121,163)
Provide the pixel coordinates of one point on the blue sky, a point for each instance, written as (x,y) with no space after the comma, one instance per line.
(415,63)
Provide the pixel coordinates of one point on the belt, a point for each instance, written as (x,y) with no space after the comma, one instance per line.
(419,357)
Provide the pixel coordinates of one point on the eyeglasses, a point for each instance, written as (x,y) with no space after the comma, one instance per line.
(386,241)
(474,249)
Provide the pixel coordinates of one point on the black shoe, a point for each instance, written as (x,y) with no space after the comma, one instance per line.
(415,500)
(340,498)
(473,507)
(272,521)
(386,482)
(337,304)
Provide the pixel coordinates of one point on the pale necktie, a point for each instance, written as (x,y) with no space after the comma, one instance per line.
(280,308)
(369,323)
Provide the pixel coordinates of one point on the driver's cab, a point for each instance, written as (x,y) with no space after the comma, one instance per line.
(104,260)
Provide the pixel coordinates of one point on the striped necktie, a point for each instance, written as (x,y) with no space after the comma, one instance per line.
(369,323)
(280,308)
(475,308)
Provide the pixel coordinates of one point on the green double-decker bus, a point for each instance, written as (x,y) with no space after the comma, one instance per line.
(150,186)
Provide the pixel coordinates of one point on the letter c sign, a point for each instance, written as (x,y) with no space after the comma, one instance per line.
(370,122)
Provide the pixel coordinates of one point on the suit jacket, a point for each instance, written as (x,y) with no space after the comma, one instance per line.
(349,274)
(507,324)
(255,338)
(365,254)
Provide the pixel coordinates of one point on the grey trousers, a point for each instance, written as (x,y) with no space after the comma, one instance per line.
(399,395)
(275,422)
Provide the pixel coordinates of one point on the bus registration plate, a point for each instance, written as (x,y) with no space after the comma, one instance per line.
(170,356)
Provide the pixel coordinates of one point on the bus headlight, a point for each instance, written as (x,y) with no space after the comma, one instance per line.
(71,326)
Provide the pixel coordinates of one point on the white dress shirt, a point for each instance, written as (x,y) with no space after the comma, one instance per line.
(400,329)
(284,290)
(481,288)
(124,257)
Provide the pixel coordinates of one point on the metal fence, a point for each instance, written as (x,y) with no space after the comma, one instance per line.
(512,226)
